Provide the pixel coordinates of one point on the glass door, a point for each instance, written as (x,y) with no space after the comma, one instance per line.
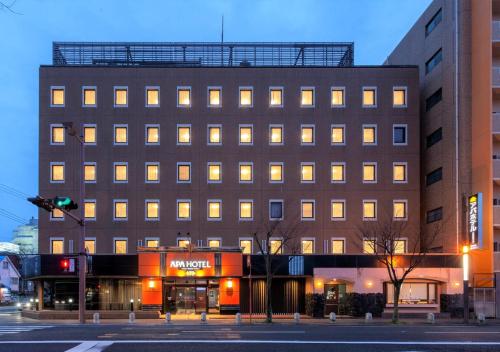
(201,300)
(185,300)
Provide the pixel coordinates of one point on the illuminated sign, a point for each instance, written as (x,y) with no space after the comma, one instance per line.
(476,221)
(190,264)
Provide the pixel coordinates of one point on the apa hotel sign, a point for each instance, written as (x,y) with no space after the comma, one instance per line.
(190,264)
(475,221)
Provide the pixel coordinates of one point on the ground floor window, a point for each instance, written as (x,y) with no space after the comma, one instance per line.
(414,293)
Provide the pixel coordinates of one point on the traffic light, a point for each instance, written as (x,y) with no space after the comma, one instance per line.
(42,203)
(65,202)
(68,265)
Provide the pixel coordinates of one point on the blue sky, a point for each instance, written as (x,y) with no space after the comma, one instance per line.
(375,26)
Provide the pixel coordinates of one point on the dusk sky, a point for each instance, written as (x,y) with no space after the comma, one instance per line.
(375,26)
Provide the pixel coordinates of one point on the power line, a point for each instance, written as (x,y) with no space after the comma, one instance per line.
(13,191)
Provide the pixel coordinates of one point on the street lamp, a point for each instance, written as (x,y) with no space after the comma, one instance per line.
(465,268)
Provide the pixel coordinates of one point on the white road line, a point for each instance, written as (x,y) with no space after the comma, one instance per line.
(90,346)
(242,332)
(461,332)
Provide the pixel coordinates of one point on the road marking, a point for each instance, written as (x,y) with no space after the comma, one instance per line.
(16,329)
(90,346)
(243,332)
(461,332)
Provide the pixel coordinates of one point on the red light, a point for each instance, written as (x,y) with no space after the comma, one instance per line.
(65,263)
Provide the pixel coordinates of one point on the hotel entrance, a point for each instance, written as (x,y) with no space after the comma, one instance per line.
(191,296)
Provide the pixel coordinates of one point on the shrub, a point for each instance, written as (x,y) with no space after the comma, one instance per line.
(357,304)
(315,305)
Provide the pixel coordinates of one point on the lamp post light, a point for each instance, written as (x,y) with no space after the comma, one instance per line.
(465,268)
(131,304)
(70,301)
(36,302)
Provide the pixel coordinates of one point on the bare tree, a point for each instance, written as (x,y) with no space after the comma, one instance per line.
(386,240)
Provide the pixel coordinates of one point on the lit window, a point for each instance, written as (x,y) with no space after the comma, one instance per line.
(399,97)
(338,134)
(369,246)
(56,214)
(369,210)
(183,209)
(57,246)
(214,134)
(57,96)
(307,246)
(246,172)
(214,96)
(89,96)
(399,173)
(338,246)
(90,172)
(275,209)
(369,97)
(212,243)
(307,97)
(89,134)
(369,173)
(338,97)
(90,209)
(183,243)
(276,134)
(120,246)
(276,246)
(399,209)
(89,246)
(121,134)
(399,135)
(214,209)
(56,134)
(183,172)
(246,210)
(369,135)
(338,172)
(121,172)
(276,172)
(246,135)
(152,96)
(338,209)
(307,172)
(152,243)
(152,209)
(183,97)
(307,209)
(214,172)
(399,246)
(120,209)
(57,172)
(246,97)
(307,135)
(183,134)
(121,99)
(152,134)
(276,97)
(152,172)
(246,246)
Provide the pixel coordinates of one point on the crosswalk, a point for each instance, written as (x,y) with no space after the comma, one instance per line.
(15,329)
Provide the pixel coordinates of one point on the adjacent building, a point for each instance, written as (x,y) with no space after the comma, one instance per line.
(26,237)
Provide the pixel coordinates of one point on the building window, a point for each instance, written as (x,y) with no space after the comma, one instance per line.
(89,97)
(433,99)
(90,134)
(369,210)
(307,97)
(120,245)
(433,22)
(214,209)
(307,209)
(214,243)
(246,172)
(400,209)
(89,209)
(434,61)
(90,172)
(57,96)
(338,246)
(56,215)
(434,215)
(370,172)
(399,97)
(57,245)
(246,135)
(399,135)
(307,246)
(338,97)
(434,137)
(275,134)
(369,134)
(57,172)
(183,97)
(120,209)
(307,135)
(275,172)
(399,174)
(214,172)
(152,97)
(369,97)
(399,246)
(152,242)
(276,97)
(152,209)
(214,134)
(152,172)
(338,172)
(183,242)
(276,209)
(183,134)
(183,209)
(338,209)
(184,172)
(152,134)
(276,246)
(246,209)
(414,293)
(246,97)
(121,99)
(214,97)
(246,245)
(369,246)
(121,135)
(307,174)
(90,246)
(57,134)
(434,176)
(121,172)
(338,134)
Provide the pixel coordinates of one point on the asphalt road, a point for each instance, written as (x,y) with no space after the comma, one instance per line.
(18,334)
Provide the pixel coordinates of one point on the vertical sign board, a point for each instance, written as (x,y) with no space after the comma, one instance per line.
(476,221)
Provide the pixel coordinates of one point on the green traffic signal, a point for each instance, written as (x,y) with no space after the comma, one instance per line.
(65,202)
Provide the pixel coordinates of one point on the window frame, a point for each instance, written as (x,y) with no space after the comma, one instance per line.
(400,163)
(398,125)
(57,125)
(313,202)
(245,163)
(308,88)
(308,125)
(214,125)
(151,238)
(308,163)
(313,240)
(282,209)
(240,126)
(344,210)
(51,176)
(245,88)
(89,239)
(115,239)
(405,202)
(251,209)
(177,202)
(183,238)
(115,89)
(183,163)
(343,239)
(211,238)
(375,134)
(210,88)
(282,245)
(84,88)
(344,171)
(369,239)
(146,127)
(343,127)
(146,203)
(375,97)
(90,163)
(277,163)
(53,218)
(85,201)
(146,90)
(53,239)
(282,128)
(51,97)
(183,88)
(209,201)
(151,163)
(94,126)
(399,88)
(246,239)
(120,125)
(214,163)
(115,201)
(183,125)
(119,163)
(375,173)
(375,210)
(337,88)
(277,88)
